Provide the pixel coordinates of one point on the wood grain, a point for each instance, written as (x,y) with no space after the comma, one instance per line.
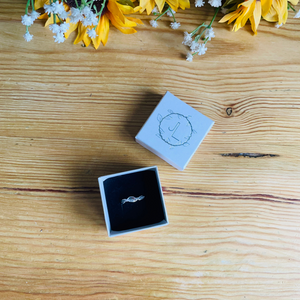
(69,114)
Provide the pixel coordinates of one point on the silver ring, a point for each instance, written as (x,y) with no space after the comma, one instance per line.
(132,199)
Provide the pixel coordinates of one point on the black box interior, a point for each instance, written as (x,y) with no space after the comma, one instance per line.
(145,212)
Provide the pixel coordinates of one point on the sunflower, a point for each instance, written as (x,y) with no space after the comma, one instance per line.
(254,10)
(149,5)
(113,11)
(251,10)
(279,11)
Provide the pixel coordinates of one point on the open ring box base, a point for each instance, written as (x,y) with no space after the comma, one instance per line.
(129,217)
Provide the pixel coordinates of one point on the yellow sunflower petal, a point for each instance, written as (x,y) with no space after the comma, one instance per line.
(281,8)
(294,2)
(148,5)
(81,33)
(248,13)
(255,19)
(40,3)
(72,28)
(174,4)
(102,30)
(271,16)
(126,9)
(137,21)
(43,16)
(87,40)
(240,20)
(246,3)
(235,18)
(160,4)
(230,16)
(115,10)
(183,4)
(119,25)
(125,30)
(126,23)
(266,6)
(51,20)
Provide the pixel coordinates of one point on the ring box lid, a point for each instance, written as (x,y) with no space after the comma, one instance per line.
(174,131)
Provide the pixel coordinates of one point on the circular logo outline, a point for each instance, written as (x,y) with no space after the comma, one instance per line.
(168,142)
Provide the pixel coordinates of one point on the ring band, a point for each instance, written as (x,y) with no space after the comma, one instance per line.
(132,199)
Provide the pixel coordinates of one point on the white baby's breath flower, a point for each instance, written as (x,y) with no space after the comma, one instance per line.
(155,10)
(90,20)
(194,46)
(55,28)
(64,27)
(34,15)
(153,23)
(215,3)
(49,9)
(75,15)
(91,33)
(169,13)
(278,25)
(297,15)
(202,49)
(187,40)
(199,3)
(27,20)
(58,8)
(189,57)
(64,15)
(86,11)
(27,36)
(224,10)
(59,38)
(209,33)
(175,25)
(94,19)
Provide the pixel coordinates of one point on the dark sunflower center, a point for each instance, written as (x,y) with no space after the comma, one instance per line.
(96,3)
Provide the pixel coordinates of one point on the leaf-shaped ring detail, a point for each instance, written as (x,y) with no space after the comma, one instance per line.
(132,199)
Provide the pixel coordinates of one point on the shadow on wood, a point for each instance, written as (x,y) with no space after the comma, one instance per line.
(141,112)
(84,182)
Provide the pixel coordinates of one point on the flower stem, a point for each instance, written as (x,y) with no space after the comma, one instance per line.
(198,37)
(290,6)
(216,12)
(59,19)
(161,14)
(194,31)
(170,10)
(101,10)
(27,5)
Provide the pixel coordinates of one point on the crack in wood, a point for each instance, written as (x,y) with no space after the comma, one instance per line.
(252,197)
(67,190)
(250,155)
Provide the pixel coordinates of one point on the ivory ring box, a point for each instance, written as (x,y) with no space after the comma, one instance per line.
(174,131)
(122,218)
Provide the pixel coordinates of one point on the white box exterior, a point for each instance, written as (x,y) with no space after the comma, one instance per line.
(112,233)
(174,131)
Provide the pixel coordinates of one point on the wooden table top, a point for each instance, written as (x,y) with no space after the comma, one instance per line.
(69,115)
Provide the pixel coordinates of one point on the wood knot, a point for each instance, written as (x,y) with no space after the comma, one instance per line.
(229,111)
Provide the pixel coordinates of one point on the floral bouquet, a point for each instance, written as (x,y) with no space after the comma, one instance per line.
(92,18)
